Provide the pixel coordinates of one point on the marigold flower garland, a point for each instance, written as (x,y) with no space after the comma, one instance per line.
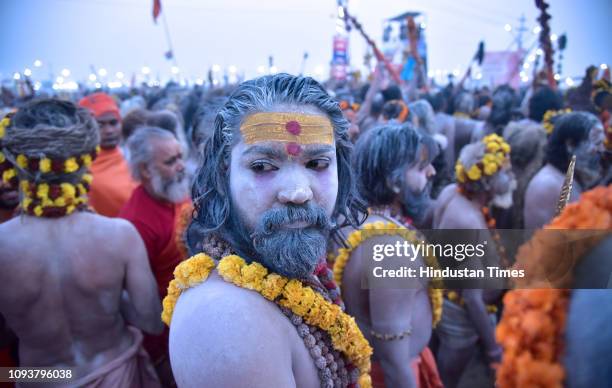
(290,293)
(532,327)
(54,200)
(548,116)
(436,292)
(496,152)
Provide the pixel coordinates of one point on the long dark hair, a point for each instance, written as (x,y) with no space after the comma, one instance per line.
(210,191)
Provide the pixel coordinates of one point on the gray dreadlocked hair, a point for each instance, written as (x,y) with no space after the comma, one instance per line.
(210,191)
(50,128)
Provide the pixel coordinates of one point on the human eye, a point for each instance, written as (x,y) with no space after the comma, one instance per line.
(259,167)
(318,164)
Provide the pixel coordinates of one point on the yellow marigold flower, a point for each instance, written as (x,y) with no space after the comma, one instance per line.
(365,381)
(272,286)
(193,271)
(22,161)
(71,165)
(42,191)
(174,288)
(253,275)
(38,211)
(68,190)
(3,124)
(505,147)
(325,316)
(86,160)
(70,209)
(26,202)
(460,172)
(24,186)
(500,158)
(2,157)
(44,165)
(98,149)
(230,269)
(87,178)
(168,308)
(81,189)
(493,147)
(378,225)
(474,173)
(294,297)
(306,301)
(354,239)
(61,202)
(490,168)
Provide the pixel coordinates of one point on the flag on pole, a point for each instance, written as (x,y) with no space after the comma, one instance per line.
(156,9)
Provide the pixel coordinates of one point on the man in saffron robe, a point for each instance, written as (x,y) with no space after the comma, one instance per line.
(112,184)
(156,161)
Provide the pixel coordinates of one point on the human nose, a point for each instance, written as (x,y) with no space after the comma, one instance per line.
(297,191)
(431,171)
(180,165)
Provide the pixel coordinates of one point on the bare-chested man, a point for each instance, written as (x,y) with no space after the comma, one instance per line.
(274,181)
(72,281)
(393,165)
(579,134)
(484,176)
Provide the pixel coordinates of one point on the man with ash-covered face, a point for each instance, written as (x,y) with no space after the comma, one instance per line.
(393,164)
(274,180)
(484,178)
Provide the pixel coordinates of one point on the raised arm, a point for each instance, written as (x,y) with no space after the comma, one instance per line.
(375,87)
(140,304)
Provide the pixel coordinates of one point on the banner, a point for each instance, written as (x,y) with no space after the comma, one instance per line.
(502,67)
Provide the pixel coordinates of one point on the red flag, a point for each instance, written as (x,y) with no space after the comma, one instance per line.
(156,9)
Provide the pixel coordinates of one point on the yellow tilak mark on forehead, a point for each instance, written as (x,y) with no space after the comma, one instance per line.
(295,128)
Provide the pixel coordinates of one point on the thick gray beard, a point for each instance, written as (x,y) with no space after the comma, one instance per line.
(505,200)
(293,253)
(414,204)
(174,190)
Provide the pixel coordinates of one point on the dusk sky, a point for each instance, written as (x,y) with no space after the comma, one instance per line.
(119,35)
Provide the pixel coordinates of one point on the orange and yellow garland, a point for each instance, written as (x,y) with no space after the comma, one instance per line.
(436,292)
(533,324)
(292,294)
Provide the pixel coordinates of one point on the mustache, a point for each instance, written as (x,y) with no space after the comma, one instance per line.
(275,219)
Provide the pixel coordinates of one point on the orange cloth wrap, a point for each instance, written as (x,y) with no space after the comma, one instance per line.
(424,370)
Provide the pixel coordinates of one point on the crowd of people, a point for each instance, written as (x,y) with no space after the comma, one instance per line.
(219,237)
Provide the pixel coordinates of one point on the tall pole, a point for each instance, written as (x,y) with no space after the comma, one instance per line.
(167,30)
(520,31)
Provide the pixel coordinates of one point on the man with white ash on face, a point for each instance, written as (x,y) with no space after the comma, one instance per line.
(259,306)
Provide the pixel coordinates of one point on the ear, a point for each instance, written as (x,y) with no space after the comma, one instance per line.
(393,186)
(144,170)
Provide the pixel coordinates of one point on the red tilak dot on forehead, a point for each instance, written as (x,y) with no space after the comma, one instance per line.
(293,149)
(293,127)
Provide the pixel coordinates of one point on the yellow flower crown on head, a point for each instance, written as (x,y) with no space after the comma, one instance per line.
(496,153)
(548,116)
